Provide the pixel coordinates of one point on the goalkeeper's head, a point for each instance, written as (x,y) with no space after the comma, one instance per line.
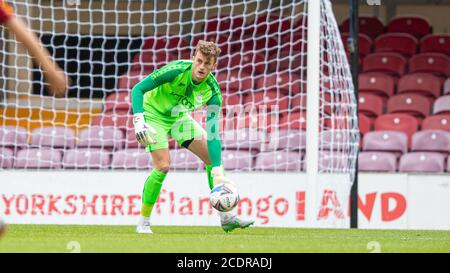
(204,60)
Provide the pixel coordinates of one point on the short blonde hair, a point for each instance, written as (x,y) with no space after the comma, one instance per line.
(209,49)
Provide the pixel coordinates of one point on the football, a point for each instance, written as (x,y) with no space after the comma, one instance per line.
(224,197)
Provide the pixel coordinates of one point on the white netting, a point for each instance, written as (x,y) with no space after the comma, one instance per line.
(108,46)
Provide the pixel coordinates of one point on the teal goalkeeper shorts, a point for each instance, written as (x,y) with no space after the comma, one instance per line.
(181,129)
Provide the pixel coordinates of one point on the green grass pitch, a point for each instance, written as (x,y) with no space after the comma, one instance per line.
(175,239)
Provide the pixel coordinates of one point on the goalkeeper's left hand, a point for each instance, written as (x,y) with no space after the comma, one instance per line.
(145,133)
(219,177)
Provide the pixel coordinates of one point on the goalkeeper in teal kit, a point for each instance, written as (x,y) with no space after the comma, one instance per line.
(160,104)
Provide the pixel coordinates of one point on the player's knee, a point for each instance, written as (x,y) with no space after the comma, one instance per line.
(163,167)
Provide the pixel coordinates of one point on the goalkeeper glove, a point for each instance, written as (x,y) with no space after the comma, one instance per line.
(145,134)
(219,177)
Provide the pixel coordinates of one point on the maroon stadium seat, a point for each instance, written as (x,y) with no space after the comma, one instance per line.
(442,105)
(298,102)
(266,46)
(101,137)
(420,83)
(397,122)
(386,141)
(172,44)
(431,141)
(288,84)
(182,159)
(438,43)
(279,161)
(413,104)
(385,62)
(120,119)
(251,63)
(422,162)
(333,139)
(377,162)
(234,81)
(293,120)
(370,105)
(268,24)
(402,43)
(86,158)
(414,25)
(365,44)
(290,140)
(271,99)
(437,122)
(225,24)
(131,159)
(149,60)
(332,161)
(128,80)
(120,101)
(293,42)
(447,86)
(287,61)
(242,139)
(371,26)
(6,158)
(13,136)
(365,124)
(435,63)
(237,160)
(377,83)
(56,137)
(44,158)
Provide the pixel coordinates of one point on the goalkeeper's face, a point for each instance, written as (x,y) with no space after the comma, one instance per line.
(202,66)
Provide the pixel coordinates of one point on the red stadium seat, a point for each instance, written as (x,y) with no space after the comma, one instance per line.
(6,158)
(53,136)
(385,62)
(431,141)
(435,63)
(371,26)
(237,160)
(286,61)
(447,87)
(415,25)
(293,120)
(397,122)
(422,162)
(38,158)
(413,104)
(120,101)
(225,24)
(128,80)
(420,83)
(402,43)
(365,124)
(13,136)
(293,41)
(442,105)
(253,64)
(171,44)
(386,141)
(234,81)
(370,105)
(280,82)
(376,83)
(279,161)
(272,99)
(266,46)
(86,158)
(107,137)
(365,43)
(151,60)
(268,24)
(131,159)
(437,43)
(437,122)
(232,99)
(377,162)
(119,119)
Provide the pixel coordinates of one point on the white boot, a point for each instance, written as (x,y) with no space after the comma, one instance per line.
(143,226)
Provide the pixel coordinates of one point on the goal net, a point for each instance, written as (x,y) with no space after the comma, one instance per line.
(106,47)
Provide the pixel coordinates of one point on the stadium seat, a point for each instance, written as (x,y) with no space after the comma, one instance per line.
(385,62)
(371,26)
(334,140)
(131,159)
(13,136)
(225,24)
(234,81)
(332,161)
(397,122)
(371,105)
(149,60)
(182,159)
(273,100)
(431,141)
(422,162)
(413,104)
(120,101)
(438,122)
(293,42)
(442,105)
(128,80)
(417,26)
(386,141)
(268,24)
(447,87)
(237,160)
(377,162)
(365,124)
(243,139)
(290,140)
(293,120)
(437,43)
(279,161)
(6,158)
(402,43)
(45,158)
(298,102)
(420,83)
(131,141)
(378,83)
(448,164)
(172,44)
(253,64)
(365,43)
(101,137)
(86,158)
(263,45)
(436,63)
(286,61)
(120,119)
(284,83)
(55,136)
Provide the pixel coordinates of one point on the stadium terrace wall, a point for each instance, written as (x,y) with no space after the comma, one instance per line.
(386,201)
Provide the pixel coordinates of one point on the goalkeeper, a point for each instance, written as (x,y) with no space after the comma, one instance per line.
(160,104)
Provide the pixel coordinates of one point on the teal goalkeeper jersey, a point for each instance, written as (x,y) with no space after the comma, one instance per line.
(170,90)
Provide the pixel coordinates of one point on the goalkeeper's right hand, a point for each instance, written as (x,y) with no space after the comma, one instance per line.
(145,134)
